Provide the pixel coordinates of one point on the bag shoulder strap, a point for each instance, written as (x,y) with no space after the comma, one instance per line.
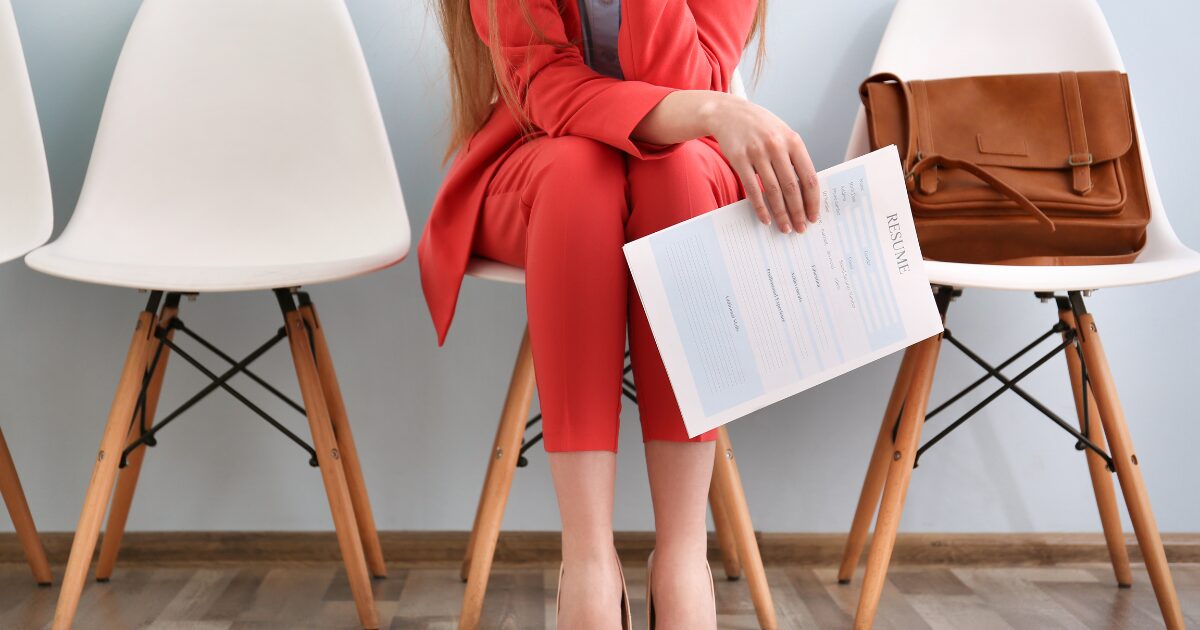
(988,178)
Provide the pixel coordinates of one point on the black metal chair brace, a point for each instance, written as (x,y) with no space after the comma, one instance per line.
(147,435)
(1073,302)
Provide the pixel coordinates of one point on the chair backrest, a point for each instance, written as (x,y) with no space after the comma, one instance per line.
(931,39)
(240,132)
(737,86)
(26,210)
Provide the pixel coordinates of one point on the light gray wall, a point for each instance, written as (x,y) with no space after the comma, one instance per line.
(425,417)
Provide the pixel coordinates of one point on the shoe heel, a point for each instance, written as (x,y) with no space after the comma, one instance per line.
(650,591)
(558,593)
(626,615)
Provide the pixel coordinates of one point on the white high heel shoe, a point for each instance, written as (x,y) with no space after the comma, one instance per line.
(650,589)
(626,615)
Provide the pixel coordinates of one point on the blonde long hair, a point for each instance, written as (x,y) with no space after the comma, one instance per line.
(477,75)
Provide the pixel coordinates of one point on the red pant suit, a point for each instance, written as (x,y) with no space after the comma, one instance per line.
(562,202)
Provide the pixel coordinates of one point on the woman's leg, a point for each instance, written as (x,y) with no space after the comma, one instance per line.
(692,180)
(590,592)
(558,208)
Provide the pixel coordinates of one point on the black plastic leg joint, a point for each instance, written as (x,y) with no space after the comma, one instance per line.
(1077,305)
(153,301)
(286,299)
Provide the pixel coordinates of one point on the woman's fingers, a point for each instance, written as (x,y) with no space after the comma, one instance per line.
(789,183)
(806,173)
(745,172)
(774,193)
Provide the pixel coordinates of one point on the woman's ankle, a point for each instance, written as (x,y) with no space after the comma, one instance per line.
(590,592)
(679,547)
(682,589)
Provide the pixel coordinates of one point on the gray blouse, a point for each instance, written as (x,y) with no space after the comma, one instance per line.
(601,20)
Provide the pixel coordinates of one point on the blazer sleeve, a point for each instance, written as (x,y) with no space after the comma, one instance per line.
(559,92)
(684,44)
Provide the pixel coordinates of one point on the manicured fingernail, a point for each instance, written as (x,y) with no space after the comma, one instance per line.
(787,228)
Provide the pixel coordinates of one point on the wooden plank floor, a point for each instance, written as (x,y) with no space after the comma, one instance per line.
(315,595)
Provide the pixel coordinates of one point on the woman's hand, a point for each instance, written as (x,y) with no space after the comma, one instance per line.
(758,145)
(757,142)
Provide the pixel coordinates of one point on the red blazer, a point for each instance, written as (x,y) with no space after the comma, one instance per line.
(664,45)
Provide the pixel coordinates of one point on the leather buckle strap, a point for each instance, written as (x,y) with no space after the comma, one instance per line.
(928,181)
(1080,159)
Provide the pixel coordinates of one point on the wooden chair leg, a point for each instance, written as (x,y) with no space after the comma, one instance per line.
(1129,472)
(1102,484)
(726,541)
(329,458)
(900,467)
(872,487)
(464,569)
(104,473)
(345,441)
(729,483)
(127,478)
(22,519)
(501,466)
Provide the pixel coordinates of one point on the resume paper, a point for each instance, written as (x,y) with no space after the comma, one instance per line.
(745,316)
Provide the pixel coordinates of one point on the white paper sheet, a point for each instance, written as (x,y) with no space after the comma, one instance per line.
(745,316)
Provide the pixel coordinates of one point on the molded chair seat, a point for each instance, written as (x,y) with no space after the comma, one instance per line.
(487,269)
(62,260)
(241,147)
(932,39)
(26,209)
(1064,278)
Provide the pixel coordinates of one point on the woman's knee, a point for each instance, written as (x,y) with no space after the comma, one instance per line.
(692,157)
(579,180)
(582,166)
(689,181)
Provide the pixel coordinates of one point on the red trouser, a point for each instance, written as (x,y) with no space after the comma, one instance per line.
(562,208)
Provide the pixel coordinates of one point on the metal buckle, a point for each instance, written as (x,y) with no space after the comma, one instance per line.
(1071,161)
(912,172)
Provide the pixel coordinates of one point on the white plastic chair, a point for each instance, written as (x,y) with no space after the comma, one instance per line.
(241,147)
(930,39)
(26,218)
(735,531)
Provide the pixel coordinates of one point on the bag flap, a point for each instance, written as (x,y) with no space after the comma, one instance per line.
(1019,121)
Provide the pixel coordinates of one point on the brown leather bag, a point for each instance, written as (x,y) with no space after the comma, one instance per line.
(1018,169)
